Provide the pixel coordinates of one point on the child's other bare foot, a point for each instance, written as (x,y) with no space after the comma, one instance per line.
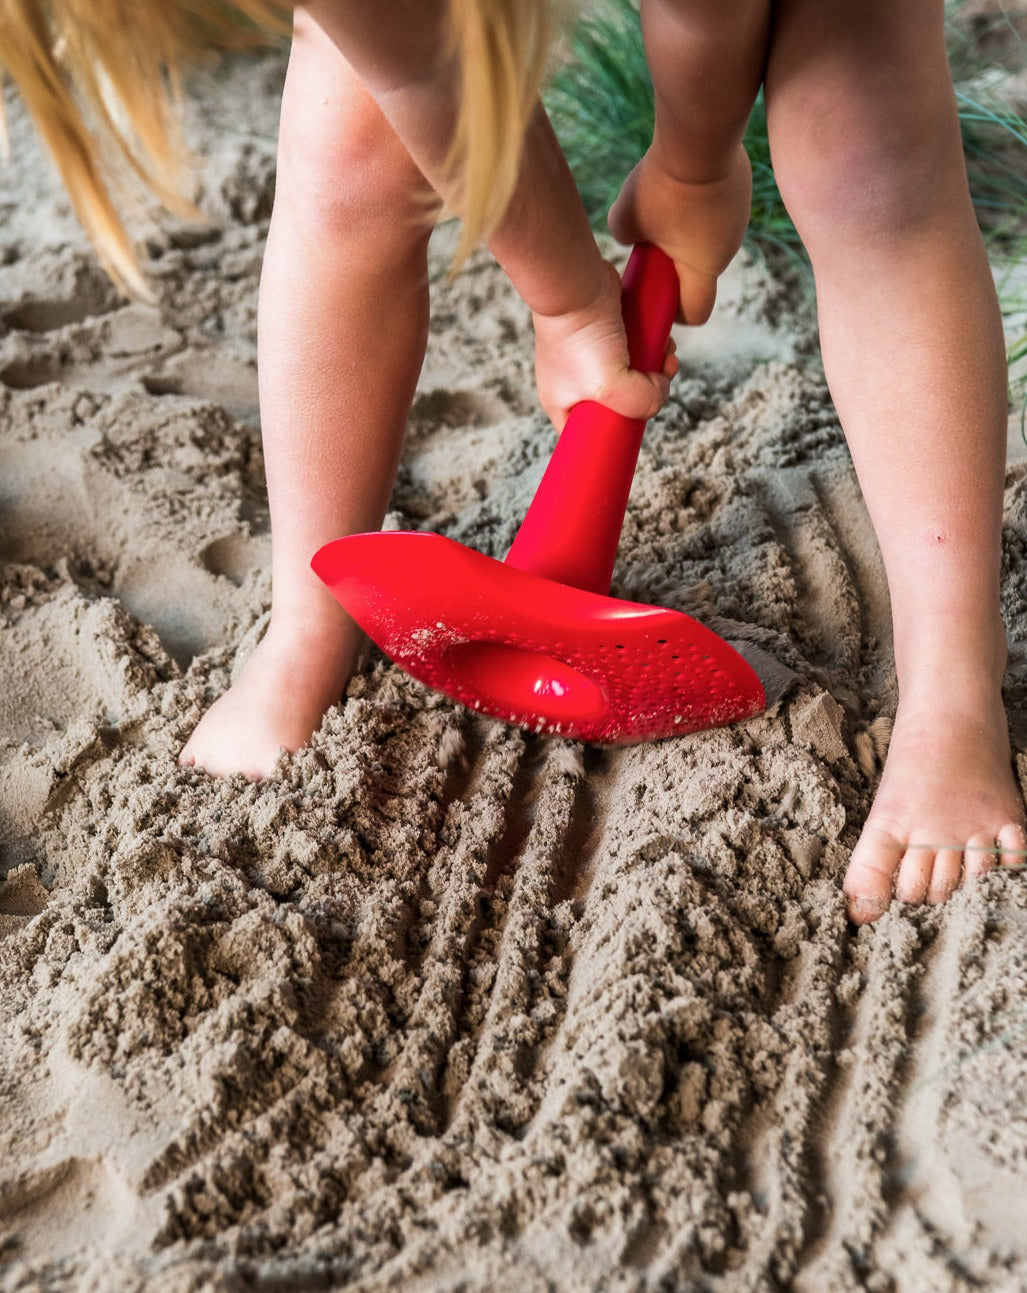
(295,674)
(946,805)
(698,223)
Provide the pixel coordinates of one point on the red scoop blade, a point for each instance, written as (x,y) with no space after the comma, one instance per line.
(533,652)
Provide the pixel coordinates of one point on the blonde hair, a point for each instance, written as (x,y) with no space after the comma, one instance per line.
(101,81)
(502,49)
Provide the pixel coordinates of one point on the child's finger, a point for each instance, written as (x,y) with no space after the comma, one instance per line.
(635,395)
(698,295)
(670,360)
(621,219)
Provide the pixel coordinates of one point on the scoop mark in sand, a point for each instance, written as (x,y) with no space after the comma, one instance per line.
(962,1179)
(779,1146)
(859,1126)
(527,999)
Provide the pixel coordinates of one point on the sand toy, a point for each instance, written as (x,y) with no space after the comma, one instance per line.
(536,640)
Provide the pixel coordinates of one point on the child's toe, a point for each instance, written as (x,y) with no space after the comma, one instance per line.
(980,854)
(945,874)
(870,878)
(1012,840)
(915,872)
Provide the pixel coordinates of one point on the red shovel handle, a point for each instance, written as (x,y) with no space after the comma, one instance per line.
(573,526)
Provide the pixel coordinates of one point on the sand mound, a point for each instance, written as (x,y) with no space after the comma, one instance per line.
(444,1006)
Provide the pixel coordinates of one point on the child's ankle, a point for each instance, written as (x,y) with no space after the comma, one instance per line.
(940,669)
(311,627)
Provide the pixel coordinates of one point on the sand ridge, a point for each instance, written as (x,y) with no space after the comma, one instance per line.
(444,1006)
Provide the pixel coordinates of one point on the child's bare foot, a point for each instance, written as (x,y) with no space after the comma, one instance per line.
(946,805)
(291,679)
(699,224)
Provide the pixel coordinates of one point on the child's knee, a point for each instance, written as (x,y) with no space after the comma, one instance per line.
(851,169)
(340,163)
(337,175)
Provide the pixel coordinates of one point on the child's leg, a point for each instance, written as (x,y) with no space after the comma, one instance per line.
(342,330)
(692,190)
(867,153)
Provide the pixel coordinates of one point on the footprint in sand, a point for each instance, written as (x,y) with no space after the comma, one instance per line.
(74,666)
(160,505)
(44,292)
(62,321)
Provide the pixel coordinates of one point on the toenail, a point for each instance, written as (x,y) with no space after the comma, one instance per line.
(865,908)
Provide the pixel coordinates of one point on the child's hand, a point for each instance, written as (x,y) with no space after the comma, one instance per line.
(699,225)
(583,355)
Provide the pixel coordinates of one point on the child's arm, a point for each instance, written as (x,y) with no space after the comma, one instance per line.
(546,247)
(402,53)
(691,192)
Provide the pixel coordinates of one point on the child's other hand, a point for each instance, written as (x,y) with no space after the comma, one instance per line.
(700,225)
(583,355)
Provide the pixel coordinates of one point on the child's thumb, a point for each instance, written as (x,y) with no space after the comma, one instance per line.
(638,395)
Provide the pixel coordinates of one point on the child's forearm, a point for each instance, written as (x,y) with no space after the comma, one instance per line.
(544,241)
(400,50)
(706,73)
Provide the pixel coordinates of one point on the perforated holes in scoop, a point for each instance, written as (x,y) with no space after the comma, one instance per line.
(676,677)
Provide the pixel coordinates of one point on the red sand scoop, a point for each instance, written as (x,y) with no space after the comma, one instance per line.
(535,640)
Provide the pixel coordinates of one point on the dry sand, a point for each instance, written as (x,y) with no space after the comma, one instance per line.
(444,1007)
